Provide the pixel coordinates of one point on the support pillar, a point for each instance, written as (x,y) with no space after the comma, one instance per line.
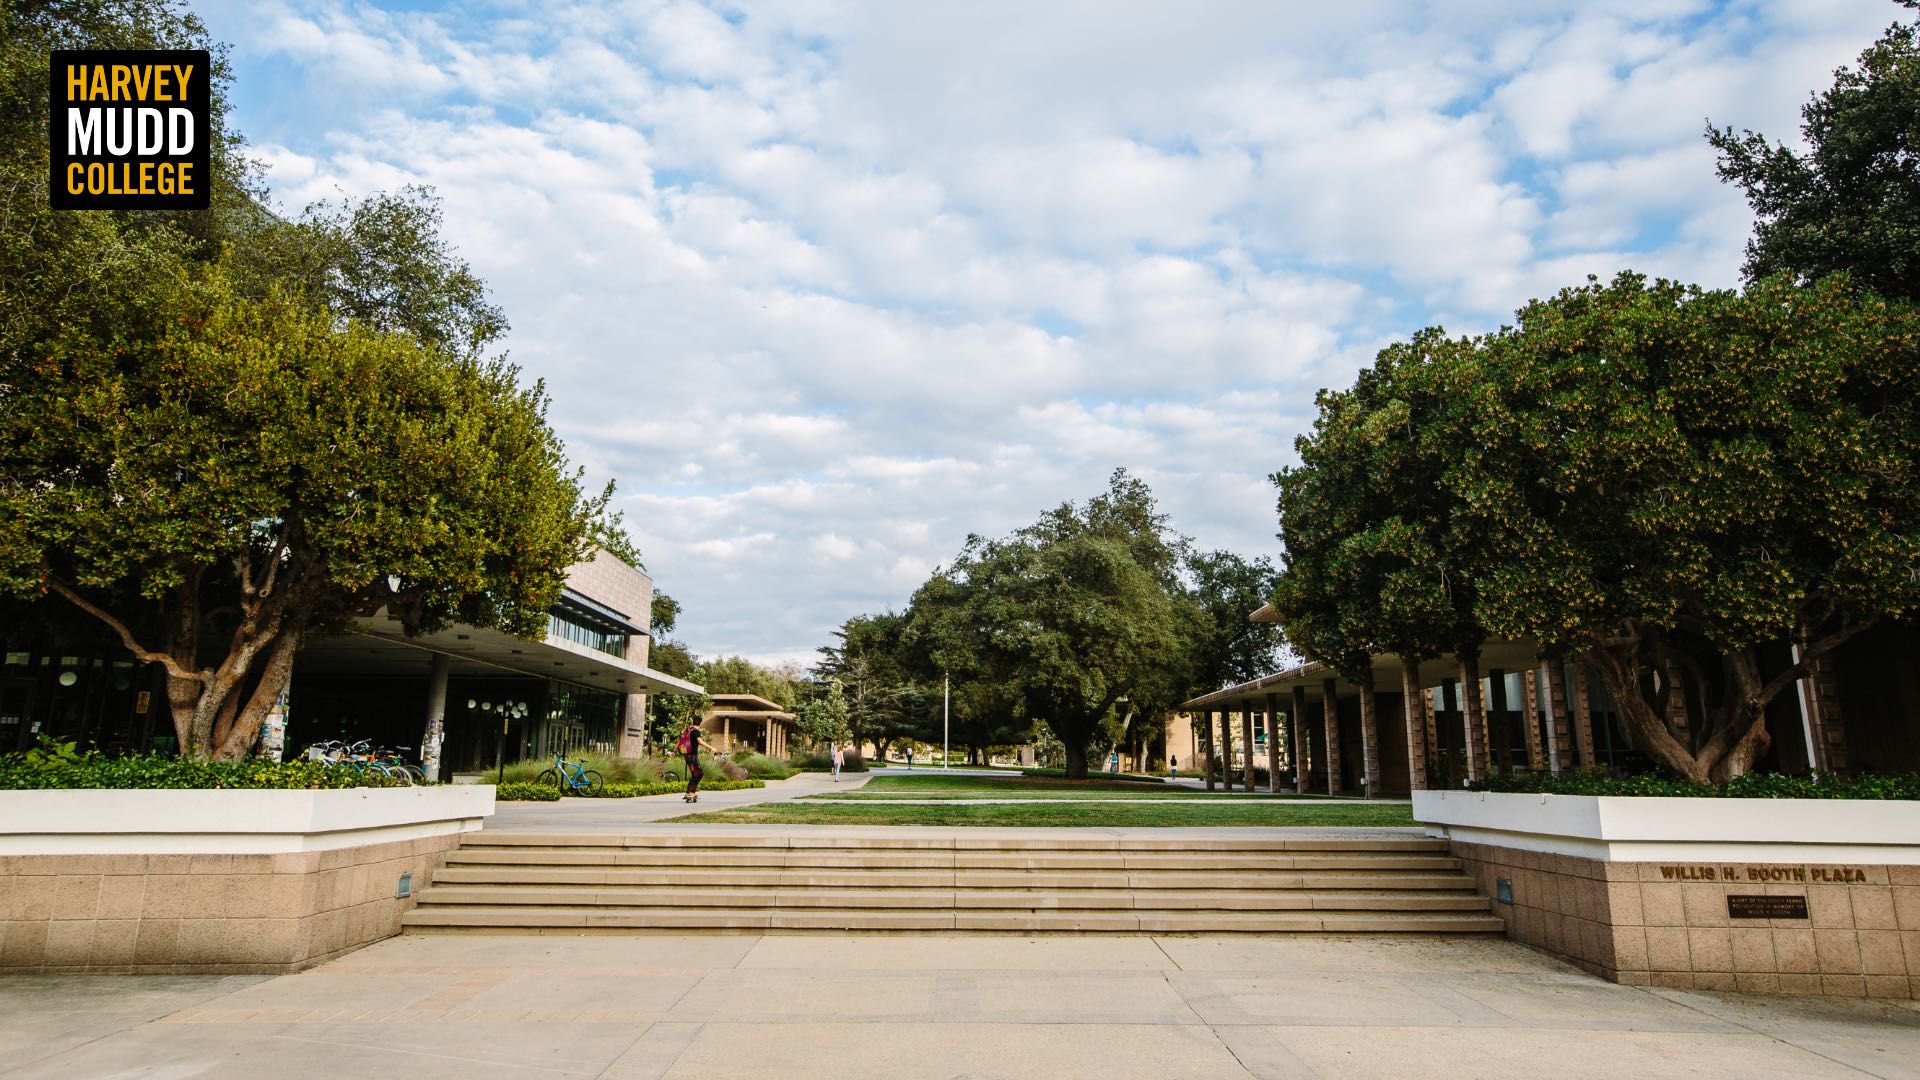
(436,715)
(1204,729)
(1536,754)
(1226,750)
(1273,743)
(1583,716)
(1301,751)
(1415,700)
(1246,740)
(1826,724)
(1330,713)
(1559,728)
(1499,722)
(1473,712)
(1369,740)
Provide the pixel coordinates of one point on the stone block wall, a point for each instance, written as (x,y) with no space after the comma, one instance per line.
(224,914)
(1657,924)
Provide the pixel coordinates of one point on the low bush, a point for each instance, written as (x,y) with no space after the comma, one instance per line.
(513,791)
(59,765)
(614,770)
(631,791)
(1750,786)
(1094,774)
(818,761)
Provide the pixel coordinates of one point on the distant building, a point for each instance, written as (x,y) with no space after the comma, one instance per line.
(746,721)
(582,687)
(1406,729)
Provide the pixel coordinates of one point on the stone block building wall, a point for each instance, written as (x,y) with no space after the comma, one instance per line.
(220,914)
(628,590)
(1638,924)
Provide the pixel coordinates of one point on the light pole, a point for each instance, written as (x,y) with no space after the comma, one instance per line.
(946,718)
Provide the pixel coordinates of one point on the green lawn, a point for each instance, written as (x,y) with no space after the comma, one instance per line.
(1109,814)
(933,786)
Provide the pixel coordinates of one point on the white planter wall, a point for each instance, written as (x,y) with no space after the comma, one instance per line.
(108,822)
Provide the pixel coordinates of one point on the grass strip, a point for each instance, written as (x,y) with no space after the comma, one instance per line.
(1065,814)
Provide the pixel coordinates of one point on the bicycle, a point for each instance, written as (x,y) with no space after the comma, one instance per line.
(570,776)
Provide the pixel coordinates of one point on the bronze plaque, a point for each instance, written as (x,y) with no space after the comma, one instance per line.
(1766,907)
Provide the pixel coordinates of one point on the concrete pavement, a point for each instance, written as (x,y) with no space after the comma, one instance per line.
(929,1006)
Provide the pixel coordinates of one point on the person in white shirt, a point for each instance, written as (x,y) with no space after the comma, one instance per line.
(839,758)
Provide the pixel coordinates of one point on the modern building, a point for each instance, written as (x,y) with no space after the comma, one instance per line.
(493,695)
(746,721)
(1406,728)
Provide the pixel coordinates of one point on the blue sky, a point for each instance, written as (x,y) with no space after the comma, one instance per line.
(827,285)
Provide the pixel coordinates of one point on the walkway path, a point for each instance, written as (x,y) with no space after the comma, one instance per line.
(706,1008)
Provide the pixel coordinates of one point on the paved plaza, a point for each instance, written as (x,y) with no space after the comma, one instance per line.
(794,1007)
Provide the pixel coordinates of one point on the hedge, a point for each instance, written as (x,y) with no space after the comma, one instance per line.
(1750,786)
(524,791)
(54,765)
(1098,774)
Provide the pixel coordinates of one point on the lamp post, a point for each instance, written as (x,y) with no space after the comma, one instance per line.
(946,723)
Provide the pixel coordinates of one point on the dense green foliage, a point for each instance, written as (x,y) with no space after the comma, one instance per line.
(1654,477)
(60,765)
(223,430)
(822,761)
(526,791)
(1753,785)
(1100,777)
(1852,201)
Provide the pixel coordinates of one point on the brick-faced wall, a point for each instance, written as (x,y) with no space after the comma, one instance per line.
(221,914)
(1634,923)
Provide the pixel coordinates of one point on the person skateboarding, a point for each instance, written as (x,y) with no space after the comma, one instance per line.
(689,746)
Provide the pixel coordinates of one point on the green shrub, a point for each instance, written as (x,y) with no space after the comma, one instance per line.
(822,761)
(1097,774)
(516,791)
(54,765)
(631,791)
(1750,786)
(614,770)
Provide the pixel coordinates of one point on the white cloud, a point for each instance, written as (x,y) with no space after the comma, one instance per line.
(830,284)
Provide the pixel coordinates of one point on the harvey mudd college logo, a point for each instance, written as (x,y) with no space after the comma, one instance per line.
(129,129)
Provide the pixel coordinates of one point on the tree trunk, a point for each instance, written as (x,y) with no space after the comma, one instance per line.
(1076,760)
(244,731)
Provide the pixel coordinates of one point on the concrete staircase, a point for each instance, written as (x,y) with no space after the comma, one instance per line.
(1060,882)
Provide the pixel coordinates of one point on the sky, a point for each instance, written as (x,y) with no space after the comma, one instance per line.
(827,285)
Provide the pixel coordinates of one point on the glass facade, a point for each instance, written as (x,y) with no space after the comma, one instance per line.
(579,627)
(581,719)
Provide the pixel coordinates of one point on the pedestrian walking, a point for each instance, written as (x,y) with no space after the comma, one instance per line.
(839,759)
(1173,765)
(689,746)
(909,757)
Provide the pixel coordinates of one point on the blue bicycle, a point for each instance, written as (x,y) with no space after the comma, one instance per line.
(571,778)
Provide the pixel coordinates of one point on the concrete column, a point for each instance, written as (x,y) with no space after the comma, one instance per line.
(1537,756)
(1246,740)
(436,732)
(1676,699)
(1559,730)
(1204,730)
(1829,725)
(1273,743)
(1330,713)
(1435,703)
(1499,721)
(1369,739)
(1416,718)
(1583,716)
(1474,713)
(1226,750)
(1301,751)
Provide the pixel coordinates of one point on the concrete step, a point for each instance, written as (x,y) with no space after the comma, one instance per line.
(827,859)
(504,918)
(965,879)
(1073,881)
(1039,899)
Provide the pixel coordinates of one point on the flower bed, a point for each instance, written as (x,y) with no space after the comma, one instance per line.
(53,766)
(1750,786)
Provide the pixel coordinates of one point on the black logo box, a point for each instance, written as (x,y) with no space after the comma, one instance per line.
(130,180)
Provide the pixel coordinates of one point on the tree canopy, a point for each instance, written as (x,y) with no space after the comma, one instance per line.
(223,430)
(1657,478)
(1852,200)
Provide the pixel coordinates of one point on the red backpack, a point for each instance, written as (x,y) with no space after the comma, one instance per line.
(686,741)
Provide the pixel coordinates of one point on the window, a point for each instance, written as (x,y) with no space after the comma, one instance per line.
(583,629)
